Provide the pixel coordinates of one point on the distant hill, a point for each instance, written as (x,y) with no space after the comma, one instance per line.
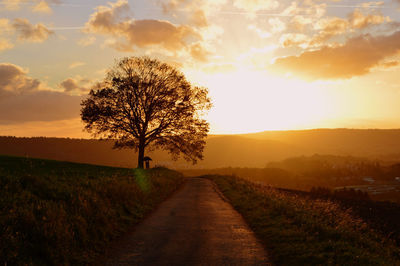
(220,151)
(240,151)
(65,149)
(248,150)
(377,143)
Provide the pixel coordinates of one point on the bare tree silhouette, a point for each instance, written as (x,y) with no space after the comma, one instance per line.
(144,103)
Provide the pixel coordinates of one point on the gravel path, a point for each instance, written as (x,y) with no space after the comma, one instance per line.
(196,226)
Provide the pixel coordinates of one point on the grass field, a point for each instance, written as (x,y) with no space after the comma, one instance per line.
(58,213)
(299,230)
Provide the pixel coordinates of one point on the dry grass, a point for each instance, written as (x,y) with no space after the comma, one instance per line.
(57,213)
(298,230)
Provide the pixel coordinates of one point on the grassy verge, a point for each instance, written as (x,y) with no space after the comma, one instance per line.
(298,230)
(60,213)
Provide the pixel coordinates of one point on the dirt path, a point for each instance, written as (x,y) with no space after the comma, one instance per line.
(194,227)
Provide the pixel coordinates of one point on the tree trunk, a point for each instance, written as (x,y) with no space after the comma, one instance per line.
(141,156)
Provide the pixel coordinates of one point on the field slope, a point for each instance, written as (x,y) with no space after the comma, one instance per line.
(299,230)
(57,213)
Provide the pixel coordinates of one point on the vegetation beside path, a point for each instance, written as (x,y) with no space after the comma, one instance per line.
(60,213)
(298,230)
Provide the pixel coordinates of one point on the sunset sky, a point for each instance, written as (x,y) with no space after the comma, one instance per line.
(268,64)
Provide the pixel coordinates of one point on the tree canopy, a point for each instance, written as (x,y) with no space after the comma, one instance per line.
(144,103)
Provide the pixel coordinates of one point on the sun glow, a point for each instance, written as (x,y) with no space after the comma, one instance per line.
(250,101)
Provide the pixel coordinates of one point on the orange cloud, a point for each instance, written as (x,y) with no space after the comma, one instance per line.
(199,18)
(24,31)
(14,81)
(299,22)
(219,68)
(294,39)
(256,5)
(354,58)
(389,64)
(198,52)
(304,16)
(276,25)
(39,106)
(139,33)
(23,99)
(359,21)
(372,4)
(39,5)
(87,41)
(77,86)
(196,11)
(329,27)
(29,32)
(5,44)
(76,64)
(5,30)
(43,7)
(156,32)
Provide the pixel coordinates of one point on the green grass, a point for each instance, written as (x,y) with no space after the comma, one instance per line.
(60,213)
(303,231)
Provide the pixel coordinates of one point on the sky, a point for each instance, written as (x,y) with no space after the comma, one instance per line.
(268,64)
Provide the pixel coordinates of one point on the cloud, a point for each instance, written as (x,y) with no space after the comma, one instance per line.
(35,5)
(360,21)
(330,27)
(195,11)
(389,64)
(42,7)
(219,68)
(77,85)
(256,5)
(5,31)
(266,28)
(24,31)
(24,99)
(373,4)
(107,19)
(87,41)
(4,25)
(291,10)
(5,44)
(262,34)
(128,33)
(277,25)
(300,22)
(199,18)
(29,32)
(354,58)
(76,64)
(309,9)
(14,81)
(198,52)
(294,39)
(303,17)
(39,106)
(156,32)
(11,4)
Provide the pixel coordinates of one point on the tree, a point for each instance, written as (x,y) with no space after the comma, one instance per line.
(144,103)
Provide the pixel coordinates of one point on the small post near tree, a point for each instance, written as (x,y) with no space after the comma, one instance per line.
(147,160)
(146,104)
